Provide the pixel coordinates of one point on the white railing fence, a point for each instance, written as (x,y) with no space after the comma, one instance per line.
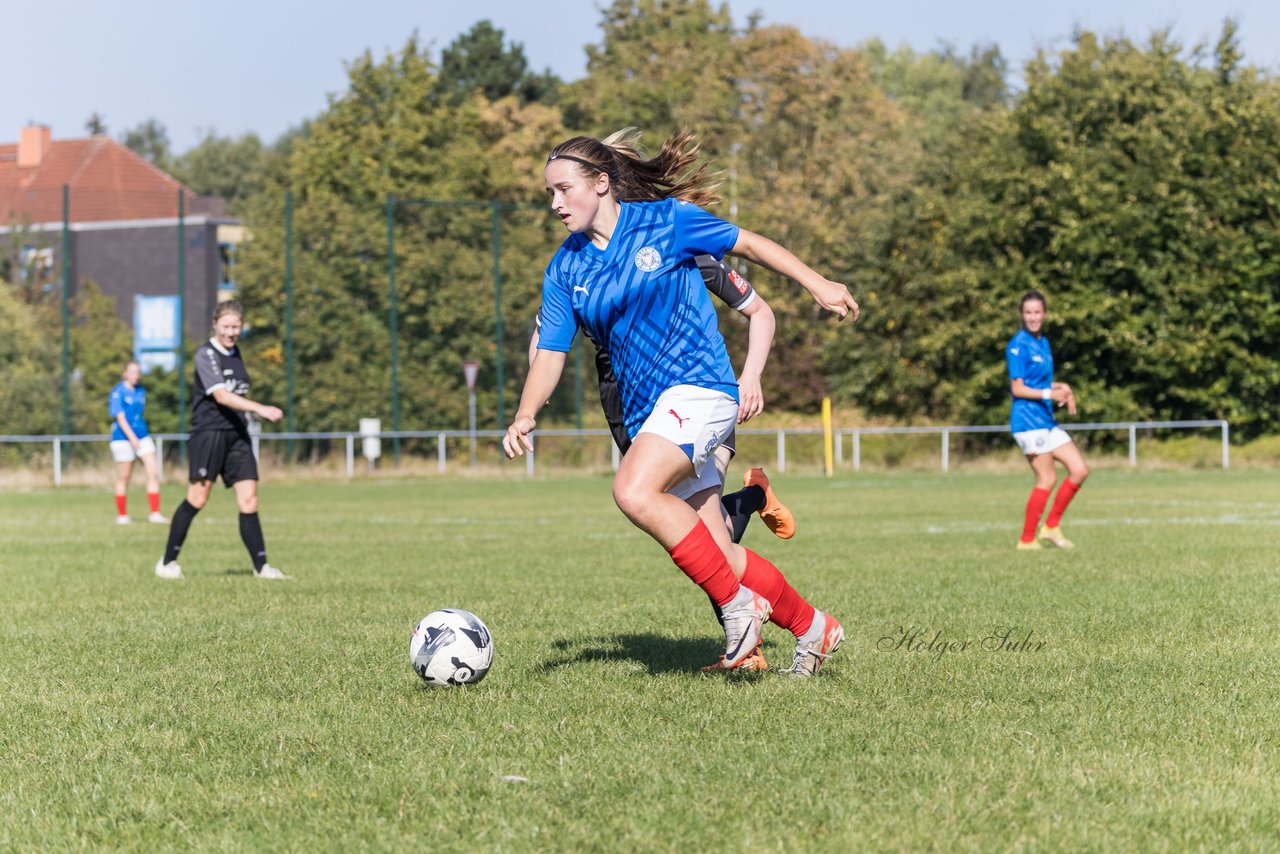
(842,436)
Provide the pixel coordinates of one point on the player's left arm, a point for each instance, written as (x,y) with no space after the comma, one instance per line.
(832,296)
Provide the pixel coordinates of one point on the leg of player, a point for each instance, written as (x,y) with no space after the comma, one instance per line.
(774,513)
(197,497)
(1069,455)
(122,491)
(1046,476)
(251,530)
(153,488)
(652,466)
(817,633)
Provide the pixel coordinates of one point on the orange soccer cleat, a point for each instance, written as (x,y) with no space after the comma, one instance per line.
(775,514)
(753,661)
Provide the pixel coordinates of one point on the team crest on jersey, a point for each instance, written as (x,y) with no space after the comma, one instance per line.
(738,282)
(648,259)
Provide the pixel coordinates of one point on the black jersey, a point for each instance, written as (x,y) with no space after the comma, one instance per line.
(721,280)
(218,368)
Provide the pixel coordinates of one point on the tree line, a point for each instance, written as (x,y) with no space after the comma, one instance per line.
(1134,182)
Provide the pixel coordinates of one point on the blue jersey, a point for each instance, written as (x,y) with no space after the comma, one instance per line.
(1030,360)
(130,401)
(643,299)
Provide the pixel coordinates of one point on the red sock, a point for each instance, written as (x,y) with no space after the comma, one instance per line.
(1066,492)
(121,501)
(790,610)
(700,558)
(1035,506)
(153,500)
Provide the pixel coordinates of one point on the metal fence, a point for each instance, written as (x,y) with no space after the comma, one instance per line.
(851,436)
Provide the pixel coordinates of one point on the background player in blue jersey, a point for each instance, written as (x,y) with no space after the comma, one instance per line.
(130,440)
(756,496)
(220,443)
(1035,429)
(626,275)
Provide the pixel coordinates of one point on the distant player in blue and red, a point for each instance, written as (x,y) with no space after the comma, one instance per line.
(1036,430)
(626,274)
(130,441)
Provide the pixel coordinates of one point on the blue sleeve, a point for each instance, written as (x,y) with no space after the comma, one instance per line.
(558,323)
(1016,357)
(699,233)
(116,406)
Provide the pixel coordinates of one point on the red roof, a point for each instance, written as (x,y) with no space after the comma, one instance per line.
(107,181)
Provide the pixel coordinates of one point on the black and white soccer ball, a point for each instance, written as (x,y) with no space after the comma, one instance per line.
(451,647)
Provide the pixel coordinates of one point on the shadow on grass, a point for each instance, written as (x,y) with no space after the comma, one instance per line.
(657,653)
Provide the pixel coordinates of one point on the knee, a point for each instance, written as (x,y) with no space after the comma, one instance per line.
(1046,481)
(247,503)
(197,501)
(630,498)
(1080,474)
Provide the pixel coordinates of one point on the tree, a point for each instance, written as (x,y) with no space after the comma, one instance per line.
(150,140)
(231,169)
(479,60)
(95,125)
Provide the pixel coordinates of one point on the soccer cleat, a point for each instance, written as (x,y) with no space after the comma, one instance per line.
(123,520)
(742,626)
(1054,536)
(270,572)
(168,570)
(754,661)
(158,518)
(1033,546)
(809,656)
(774,513)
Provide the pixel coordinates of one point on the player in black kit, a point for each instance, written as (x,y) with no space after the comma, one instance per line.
(756,496)
(220,443)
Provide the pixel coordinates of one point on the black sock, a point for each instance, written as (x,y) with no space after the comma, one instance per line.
(251,534)
(719,611)
(740,506)
(178,529)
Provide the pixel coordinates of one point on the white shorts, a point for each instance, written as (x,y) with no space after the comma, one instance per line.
(696,420)
(122,451)
(1043,441)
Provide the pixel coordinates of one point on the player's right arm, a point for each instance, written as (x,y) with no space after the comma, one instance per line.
(544,374)
(209,379)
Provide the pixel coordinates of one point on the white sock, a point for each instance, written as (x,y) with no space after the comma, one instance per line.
(816,629)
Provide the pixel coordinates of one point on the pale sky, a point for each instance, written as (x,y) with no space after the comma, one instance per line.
(236,66)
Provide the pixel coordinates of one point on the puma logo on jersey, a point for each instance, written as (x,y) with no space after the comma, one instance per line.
(582,288)
(673,413)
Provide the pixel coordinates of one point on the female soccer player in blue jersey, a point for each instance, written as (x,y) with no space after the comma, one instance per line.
(1036,430)
(130,440)
(626,275)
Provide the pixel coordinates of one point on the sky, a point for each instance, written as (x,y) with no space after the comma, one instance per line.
(235,66)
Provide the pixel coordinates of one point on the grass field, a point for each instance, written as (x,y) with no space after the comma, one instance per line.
(224,713)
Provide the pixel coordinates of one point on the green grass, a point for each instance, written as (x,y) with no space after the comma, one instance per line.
(224,713)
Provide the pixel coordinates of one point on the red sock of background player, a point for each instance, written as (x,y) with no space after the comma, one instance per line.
(1066,492)
(1035,506)
(790,610)
(700,558)
(153,501)
(122,501)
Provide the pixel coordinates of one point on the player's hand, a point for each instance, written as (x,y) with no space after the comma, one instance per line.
(750,398)
(136,443)
(517,438)
(835,297)
(271,413)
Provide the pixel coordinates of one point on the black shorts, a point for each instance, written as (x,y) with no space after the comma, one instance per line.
(228,453)
(624,441)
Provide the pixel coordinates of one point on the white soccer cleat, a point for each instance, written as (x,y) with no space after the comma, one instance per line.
(271,573)
(168,570)
(743,618)
(123,520)
(810,656)
(158,518)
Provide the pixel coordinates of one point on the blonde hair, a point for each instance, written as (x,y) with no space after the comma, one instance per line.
(632,178)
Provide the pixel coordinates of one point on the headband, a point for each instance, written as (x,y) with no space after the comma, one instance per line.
(587,163)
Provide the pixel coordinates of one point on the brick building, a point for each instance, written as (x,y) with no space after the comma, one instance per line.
(123,223)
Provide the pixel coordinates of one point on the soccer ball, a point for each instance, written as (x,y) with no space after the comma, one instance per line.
(451,647)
